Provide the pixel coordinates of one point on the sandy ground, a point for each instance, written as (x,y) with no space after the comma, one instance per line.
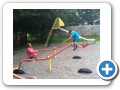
(63,66)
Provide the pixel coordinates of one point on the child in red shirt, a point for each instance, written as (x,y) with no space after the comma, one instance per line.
(31,52)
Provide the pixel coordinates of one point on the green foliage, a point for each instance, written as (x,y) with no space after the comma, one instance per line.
(38,22)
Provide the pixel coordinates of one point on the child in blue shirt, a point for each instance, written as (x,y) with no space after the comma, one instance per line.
(75,37)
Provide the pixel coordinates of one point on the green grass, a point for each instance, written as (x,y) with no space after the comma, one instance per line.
(57,39)
(31,39)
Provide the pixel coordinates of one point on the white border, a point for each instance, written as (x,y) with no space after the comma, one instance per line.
(105,41)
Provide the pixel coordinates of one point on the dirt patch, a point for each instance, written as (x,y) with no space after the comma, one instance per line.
(63,66)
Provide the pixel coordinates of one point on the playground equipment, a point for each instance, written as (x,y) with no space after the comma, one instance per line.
(18,71)
(20,77)
(17,76)
(77,57)
(57,25)
(49,57)
(84,70)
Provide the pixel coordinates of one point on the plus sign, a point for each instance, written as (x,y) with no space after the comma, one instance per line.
(107,69)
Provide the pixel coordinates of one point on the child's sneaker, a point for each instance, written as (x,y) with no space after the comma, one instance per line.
(75,47)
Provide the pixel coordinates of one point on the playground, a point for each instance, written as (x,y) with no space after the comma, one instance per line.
(75,57)
(63,66)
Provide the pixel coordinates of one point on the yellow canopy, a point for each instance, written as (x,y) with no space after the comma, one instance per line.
(58,23)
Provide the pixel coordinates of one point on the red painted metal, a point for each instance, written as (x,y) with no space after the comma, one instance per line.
(20,77)
(61,50)
(29,60)
(61,43)
(54,47)
(17,76)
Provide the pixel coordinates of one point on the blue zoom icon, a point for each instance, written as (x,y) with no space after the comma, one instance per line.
(107,69)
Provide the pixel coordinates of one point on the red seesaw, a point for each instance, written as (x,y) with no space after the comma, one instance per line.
(51,56)
(20,77)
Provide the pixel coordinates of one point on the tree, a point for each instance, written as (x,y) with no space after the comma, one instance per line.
(88,15)
(38,22)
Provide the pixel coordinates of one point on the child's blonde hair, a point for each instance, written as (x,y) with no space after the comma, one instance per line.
(28,44)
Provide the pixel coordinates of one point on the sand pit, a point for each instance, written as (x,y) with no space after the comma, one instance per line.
(63,66)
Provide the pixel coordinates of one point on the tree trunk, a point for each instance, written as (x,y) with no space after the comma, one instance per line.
(17,39)
(23,39)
